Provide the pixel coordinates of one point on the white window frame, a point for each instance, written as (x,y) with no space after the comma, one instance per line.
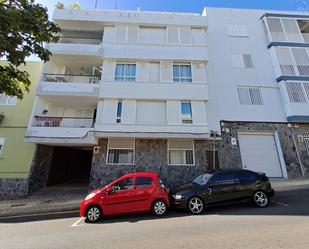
(2,141)
(119,117)
(184,117)
(125,77)
(10,100)
(168,154)
(180,78)
(124,148)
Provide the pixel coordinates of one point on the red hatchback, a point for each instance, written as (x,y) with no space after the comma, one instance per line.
(137,192)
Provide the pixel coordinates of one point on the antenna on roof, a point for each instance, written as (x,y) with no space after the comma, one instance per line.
(96,4)
(303,7)
(116,5)
(138,7)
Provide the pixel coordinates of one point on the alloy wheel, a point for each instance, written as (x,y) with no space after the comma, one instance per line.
(159,208)
(196,205)
(93,214)
(260,199)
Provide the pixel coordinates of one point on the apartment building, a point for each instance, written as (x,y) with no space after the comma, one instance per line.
(173,93)
(15,154)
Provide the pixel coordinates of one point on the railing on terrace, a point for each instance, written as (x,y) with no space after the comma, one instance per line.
(80,40)
(306,37)
(67,78)
(77,122)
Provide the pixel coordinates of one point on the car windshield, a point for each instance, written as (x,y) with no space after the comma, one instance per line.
(202,179)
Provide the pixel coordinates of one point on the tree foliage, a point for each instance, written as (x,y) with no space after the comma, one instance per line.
(24,29)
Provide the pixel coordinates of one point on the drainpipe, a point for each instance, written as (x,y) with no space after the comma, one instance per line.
(298,156)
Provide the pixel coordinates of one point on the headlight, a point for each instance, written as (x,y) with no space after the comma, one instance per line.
(90,196)
(177,197)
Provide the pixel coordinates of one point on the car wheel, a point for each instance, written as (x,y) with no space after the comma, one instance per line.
(196,205)
(159,208)
(260,199)
(93,214)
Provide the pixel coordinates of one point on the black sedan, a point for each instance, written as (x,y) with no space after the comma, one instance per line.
(218,187)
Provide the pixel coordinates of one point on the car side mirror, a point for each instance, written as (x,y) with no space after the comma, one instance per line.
(109,190)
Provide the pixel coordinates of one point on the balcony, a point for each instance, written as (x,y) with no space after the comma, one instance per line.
(75,122)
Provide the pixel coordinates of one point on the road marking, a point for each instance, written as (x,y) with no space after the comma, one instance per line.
(76,223)
(281,203)
(39,214)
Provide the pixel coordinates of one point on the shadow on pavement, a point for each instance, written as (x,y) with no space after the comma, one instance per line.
(286,202)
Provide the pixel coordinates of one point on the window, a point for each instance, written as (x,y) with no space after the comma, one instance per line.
(243,176)
(242,60)
(237,30)
(186,113)
(182,72)
(151,112)
(120,151)
(7,100)
(223,177)
(125,72)
(119,111)
(306,141)
(1,144)
(154,71)
(125,184)
(180,152)
(143,182)
(249,96)
(295,92)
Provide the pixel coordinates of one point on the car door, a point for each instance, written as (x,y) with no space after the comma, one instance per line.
(222,187)
(120,199)
(144,187)
(246,184)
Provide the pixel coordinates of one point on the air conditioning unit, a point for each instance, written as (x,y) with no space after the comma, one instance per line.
(1,117)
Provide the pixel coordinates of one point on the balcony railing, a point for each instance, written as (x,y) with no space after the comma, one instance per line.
(67,78)
(81,40)
(77,122)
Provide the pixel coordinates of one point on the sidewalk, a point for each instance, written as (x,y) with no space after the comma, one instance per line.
(51,200)
(48,200)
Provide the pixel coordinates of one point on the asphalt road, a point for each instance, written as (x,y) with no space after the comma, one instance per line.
(284,224)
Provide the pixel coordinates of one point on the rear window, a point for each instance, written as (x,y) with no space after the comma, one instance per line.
(142,182)
(223,177)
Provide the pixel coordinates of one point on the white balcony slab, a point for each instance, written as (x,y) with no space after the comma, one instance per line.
(155,52)
(152,131)
(68,89)
(159,91)
(75,49)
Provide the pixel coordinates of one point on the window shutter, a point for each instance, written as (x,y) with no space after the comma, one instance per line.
(132,34)
(121,32)
(166,71)
(142,71)
(151,112)
(121,143)
(295,92)
(274,25)
(198,72)
(173,35)
(247,60)
(238,60)
(185,35)
(243,94)
(198,36)
(153,35)
(154,72)
(109,34)
(180,144)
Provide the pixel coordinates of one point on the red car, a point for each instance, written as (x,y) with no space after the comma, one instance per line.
(137,192)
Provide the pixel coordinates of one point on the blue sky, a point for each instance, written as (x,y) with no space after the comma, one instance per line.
(183,5)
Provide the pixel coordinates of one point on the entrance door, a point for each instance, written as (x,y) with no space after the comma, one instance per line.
(259,153)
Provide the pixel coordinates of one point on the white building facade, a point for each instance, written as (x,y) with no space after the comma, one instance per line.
(172,93)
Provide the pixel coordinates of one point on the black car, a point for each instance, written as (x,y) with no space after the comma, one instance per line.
(218,187)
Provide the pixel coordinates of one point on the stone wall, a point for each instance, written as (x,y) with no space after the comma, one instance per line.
(40,167)
(230,157)
(13,188)
(151,156)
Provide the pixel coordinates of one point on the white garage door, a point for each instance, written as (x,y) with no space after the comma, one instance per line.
(259,153)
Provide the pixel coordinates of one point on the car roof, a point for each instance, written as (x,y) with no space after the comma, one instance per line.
(223,171)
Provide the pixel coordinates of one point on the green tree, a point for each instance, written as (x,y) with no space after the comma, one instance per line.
(24,29)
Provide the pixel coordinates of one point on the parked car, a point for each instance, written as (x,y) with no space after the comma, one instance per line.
(137,192)
(218,187)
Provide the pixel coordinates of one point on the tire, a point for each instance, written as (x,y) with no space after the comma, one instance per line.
(196,205)
(93,214)
(260,199)
(159,208)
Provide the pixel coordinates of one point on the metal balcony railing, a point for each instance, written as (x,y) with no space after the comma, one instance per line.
(80,40)
(67,78)
(77,122)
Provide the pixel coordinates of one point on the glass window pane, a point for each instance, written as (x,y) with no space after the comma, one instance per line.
(186,108)
(142,182)
(189,157)
(125,184)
